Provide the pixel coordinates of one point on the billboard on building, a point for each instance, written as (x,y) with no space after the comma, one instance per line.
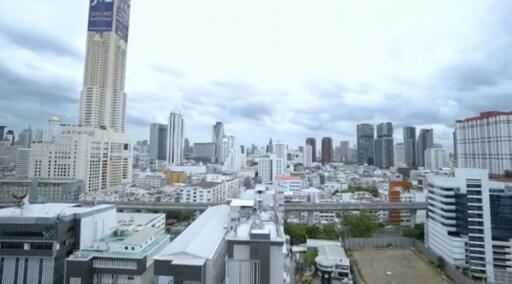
(101,15)
(123,19)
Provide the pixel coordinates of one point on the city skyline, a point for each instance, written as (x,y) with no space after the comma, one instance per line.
(42,62)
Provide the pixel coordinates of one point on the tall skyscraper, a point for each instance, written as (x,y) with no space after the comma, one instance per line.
(312,141)
(365,144)
(384,152)
(175,139)
(218,139)
(485,142)
(436,157)
(410,146)
(326,150)
(308,156)
(425,141)
(399,159)
(158,141)
(345,150)
(103,98)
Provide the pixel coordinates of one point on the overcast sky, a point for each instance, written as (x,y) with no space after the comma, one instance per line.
(284,69)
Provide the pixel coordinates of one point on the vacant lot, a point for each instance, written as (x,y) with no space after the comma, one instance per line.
(396,266)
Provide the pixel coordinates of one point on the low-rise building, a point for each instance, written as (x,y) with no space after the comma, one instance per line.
(209,191)
(41,190)
(332,261)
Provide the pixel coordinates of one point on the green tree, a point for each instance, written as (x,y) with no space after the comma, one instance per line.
(179,215)
(310,256)
(297,232)
(418,232)
(361,225)
(313,232)
(508,173)
(331,232)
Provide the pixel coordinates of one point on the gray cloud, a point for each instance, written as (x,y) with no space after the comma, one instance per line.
(38,42)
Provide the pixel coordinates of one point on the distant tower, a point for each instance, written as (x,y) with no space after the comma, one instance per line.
(158,141)
(365,144)
(218,139)
(384,148)
(103,100)
(175,139)
(425,141)
(311,141)
(2,132)
(410,146)
(326,150)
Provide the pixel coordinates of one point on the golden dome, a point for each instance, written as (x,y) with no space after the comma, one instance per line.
(54,118)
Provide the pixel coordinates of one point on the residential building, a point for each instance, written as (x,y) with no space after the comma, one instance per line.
(308,156)
(312,142)
(384,151)
(123,254)
(365,144)
(436,158)
(327,150)
(211,190)
(469,223)
(23,162)
(41,190)
(103,97)
(269,167)
(290,183)
(175,139)
(345,151)
(410,146)
(485,142)
(37,238)
(425,141)
(158,141)
(151,180)
(399,156)
(198,254)
(101,158)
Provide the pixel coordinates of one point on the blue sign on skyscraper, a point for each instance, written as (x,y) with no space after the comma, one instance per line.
(101,15)
(123,19)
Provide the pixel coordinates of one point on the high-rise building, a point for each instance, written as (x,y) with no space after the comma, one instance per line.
(187,148)
(101,158)
(269,167)
(399,158)
(365,144)
(175,139)
(25,138)
(312,141)
(23,162)
(158,141)
(103,98)
(384,148)
(326,150)
(218,139)
(485,142)
(205,152)
(425,141)
(345,151)
(436,158)
(468,223)
(2,132)
(308,156)
(410,146)
(51,129)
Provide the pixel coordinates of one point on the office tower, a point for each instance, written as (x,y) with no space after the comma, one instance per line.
(51,129)
(326,150)
(124,252)
(269,167)
(468,223)
(485,142)
(103,98)
(186,147)
(198,254)
(37,137)
(37,238)
(425,141)
(384,148)
(308,156)
(337,157)
(205,152)
(2,133)
(365,144)
(232,155)
(312,141)
(436,158)
(23,162)
(25,138)
(10,137)
(410,146)
(399,157)
(175,139)
(269,148)
(345,151)
(280,149)
(243,156)
(101,158)
(158,141)
(218,139)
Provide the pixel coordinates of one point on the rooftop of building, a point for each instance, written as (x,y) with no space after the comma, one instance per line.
(263,223)
(200,240)
(484,115)
(51,210)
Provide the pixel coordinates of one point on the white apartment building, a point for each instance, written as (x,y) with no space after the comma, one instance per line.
(308,156)
(436,158)
(209,191)
(269,167)
(150,180)
(399,154)
(290,183)
(101,158)
(175,139)
(23,162)
(485,142)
